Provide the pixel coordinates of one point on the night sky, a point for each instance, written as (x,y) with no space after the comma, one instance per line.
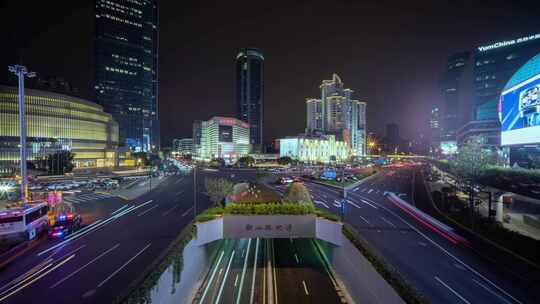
(391,53)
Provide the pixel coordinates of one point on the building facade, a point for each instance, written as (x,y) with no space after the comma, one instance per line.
(56,122)
(250,93)
(493,65)
(314,149)
(224,137)
(454,89)
(126,70)
(183,146)
(338,114)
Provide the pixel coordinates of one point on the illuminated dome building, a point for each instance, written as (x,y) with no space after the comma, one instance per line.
(56,122)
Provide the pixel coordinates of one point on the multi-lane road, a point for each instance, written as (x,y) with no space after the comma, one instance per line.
(268,271)
(97,263)
(122,238)
(442,271)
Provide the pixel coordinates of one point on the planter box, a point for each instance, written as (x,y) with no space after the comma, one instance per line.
(269,226)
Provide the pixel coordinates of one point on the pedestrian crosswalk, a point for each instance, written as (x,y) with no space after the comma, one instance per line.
(82,198)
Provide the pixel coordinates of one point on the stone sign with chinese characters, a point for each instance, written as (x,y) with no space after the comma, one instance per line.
(269,226)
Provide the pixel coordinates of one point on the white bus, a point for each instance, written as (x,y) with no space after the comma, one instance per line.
(23,224)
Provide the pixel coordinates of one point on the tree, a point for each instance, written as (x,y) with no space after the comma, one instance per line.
(142,158)
(247,161)
(298,193)
(60,162)
(472,159)
(284,160)
(218,189)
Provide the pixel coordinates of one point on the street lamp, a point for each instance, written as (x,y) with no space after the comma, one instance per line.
(21,71)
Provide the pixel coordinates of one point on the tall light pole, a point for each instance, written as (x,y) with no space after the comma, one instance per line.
(21,71)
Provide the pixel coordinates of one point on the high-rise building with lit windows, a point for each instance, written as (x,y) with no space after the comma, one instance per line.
(56,122)
(126,50)
(223,137)
(250,93)
(491,67)
(338,114)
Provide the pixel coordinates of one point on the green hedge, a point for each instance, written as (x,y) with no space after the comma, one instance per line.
(400,285)
(269,208)
(265,209)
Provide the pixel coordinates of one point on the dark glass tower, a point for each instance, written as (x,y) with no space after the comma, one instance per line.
(126,68)
(249,93)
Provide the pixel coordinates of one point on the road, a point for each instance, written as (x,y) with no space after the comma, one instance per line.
(97,263)
(268,271)
(440,270)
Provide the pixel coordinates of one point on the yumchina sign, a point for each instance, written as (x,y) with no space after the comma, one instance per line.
(505,43)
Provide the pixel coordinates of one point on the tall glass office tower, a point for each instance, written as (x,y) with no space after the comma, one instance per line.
(126,68)
(249,93)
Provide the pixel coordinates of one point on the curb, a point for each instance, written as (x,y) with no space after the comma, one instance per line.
(508,251)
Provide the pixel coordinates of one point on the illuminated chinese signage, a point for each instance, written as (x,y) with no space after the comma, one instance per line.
(500,44)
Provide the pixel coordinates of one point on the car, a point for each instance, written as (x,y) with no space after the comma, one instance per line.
(64,225)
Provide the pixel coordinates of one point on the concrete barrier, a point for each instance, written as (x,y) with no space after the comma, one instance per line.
(269,226)
(356,274)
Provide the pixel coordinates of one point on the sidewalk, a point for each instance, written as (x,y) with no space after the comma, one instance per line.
(516,222)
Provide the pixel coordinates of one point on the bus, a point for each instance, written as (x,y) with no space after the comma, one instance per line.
(23,223)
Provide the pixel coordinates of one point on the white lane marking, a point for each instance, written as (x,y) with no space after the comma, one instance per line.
(490,291)
(356,189)
(212,276)
(147,210)
(251,297)
(370,190)
(123,265)
(363,190)
(337,203)
(119,209)
(322,203)
(452,256)
(25,279)
(225,277)
(236,280)
(296,257)
(243,273)
(362,218)
(274,272)
(85,265)
(24,276)
(305,288)
(176,182)
(388,222)
(368,203)
(354,204)
(39,277)
(452,290)
(74,236)
(170,210)
(187,212)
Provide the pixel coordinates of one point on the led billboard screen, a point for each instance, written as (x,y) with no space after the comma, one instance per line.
(225,133)
(519,111)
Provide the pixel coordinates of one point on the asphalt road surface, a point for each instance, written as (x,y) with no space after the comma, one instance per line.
(268,271)
(97,263)
(440,270)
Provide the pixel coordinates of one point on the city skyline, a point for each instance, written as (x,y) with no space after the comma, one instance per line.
(373,67)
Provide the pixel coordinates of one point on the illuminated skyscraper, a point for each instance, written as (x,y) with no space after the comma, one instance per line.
(337,113)
(250,93)
(126,68)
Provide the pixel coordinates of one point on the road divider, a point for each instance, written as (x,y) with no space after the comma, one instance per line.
(428,221)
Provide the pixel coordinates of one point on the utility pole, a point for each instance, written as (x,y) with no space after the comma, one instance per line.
(194,190)
(21,71)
